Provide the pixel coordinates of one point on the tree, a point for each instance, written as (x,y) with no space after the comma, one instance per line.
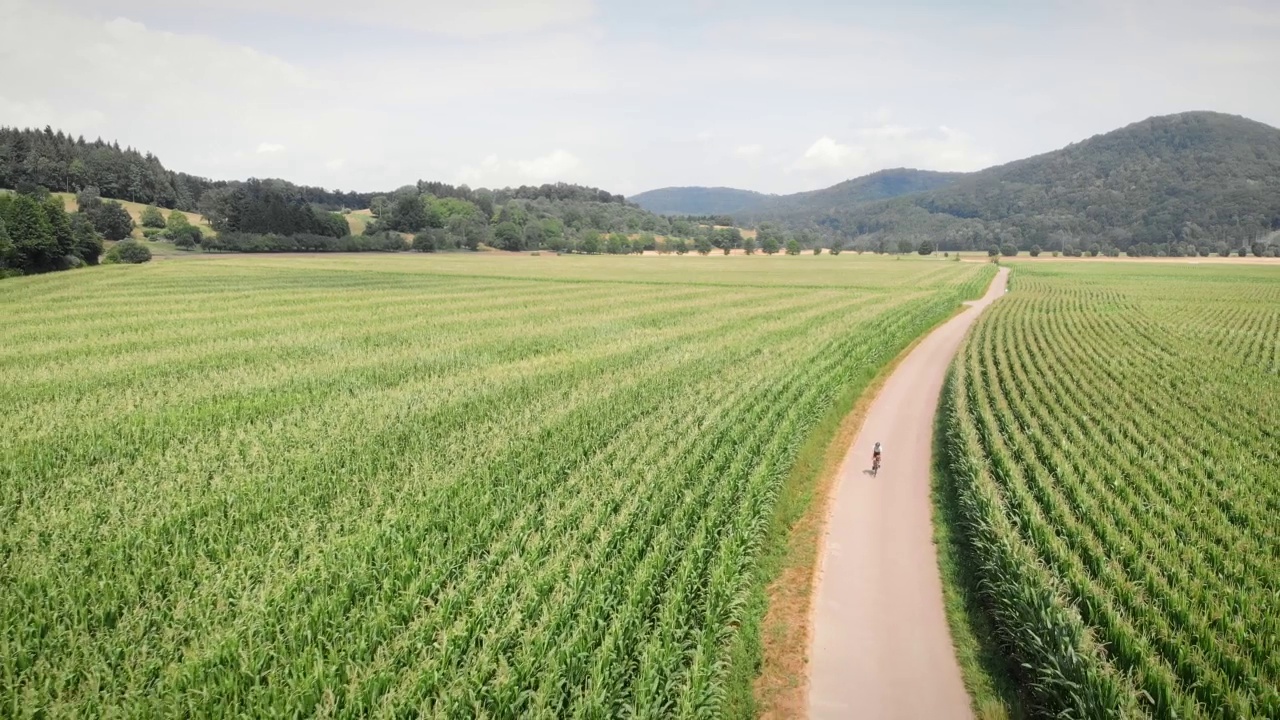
(681,246)
(429,240)
(904,246)
(728,237)
(769,245)
(87,242)
(6,247)
(768,231)
(514,212)
(177,219)
(129,252)
(1035,251)
(748,245)
(533,235)
(590,243)
(434,216)
(87,198)
(151,217)
(817,249)
(617,244)
(837,247)
(1009,250)
(703,245)
(462,229)
(378,205)
(407,214)
(476,232)
(927,247)
(60,224)
(508,236)
(186,237)
(34,247)
(110,219)
(793,247)
(993,250)
(327,223)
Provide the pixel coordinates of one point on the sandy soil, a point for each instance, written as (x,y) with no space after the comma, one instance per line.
(881,647)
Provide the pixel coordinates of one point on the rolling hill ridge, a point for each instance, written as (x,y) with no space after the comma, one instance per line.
(879,185)
(1190,178)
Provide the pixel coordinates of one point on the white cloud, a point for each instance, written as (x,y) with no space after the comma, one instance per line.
(549,167)
(267,147)
(556,166)
(878,147)
(468,19)
(199,96)
(826,90)
(826,153)
(36,112)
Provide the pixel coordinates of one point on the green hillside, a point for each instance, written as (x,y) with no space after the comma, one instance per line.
(701,200)
(1195,178)
(1174,183)
(881,185)
(135,212)
(746,203)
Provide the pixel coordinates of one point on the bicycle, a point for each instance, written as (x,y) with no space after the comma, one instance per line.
(875,466)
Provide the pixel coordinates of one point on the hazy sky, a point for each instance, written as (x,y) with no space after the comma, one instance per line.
(770,96)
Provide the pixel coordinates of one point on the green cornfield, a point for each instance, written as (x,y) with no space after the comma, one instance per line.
(457,486)
(1114,434)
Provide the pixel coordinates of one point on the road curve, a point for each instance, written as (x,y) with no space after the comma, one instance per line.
(880,646)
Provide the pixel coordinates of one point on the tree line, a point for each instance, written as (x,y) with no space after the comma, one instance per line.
(57,161)
(270,215)
(38,235)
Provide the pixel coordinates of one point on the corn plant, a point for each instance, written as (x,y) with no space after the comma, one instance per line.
(453,486)
(1113,433)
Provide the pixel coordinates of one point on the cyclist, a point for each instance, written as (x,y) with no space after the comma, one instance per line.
(875,456)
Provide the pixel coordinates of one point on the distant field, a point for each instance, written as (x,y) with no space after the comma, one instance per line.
(1114,433)
(358,219)
(463,485)
(868,272)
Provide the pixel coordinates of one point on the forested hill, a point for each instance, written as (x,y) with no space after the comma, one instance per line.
(746,204)
(1165,184)
(61,162)
(880,185)
(701,200)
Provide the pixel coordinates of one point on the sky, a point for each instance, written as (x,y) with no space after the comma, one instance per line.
(777,97)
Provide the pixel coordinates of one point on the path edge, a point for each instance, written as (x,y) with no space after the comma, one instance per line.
(777,691)
(839,449)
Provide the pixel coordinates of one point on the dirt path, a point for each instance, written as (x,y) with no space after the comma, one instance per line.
(881,647)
